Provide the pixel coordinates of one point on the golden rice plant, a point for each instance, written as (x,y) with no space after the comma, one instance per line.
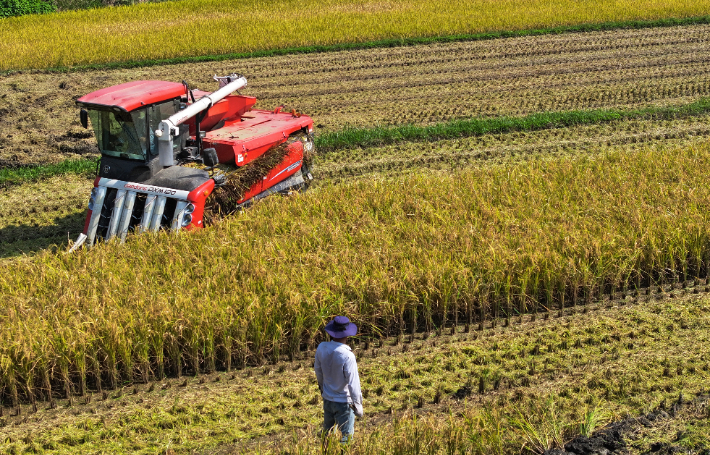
(208,27)
(417,250)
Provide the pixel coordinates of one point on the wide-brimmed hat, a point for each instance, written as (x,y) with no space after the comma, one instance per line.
(341,327)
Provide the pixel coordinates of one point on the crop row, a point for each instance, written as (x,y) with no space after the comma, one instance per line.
(393,254)
(417,85)
(452,154)
(503,53)
(486,78)
(626,358)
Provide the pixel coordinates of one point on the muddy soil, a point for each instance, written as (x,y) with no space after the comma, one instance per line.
(636,434)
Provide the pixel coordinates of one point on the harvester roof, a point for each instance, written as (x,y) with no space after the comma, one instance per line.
(132,95)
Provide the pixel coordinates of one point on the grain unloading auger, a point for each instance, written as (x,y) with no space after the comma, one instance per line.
(160,145)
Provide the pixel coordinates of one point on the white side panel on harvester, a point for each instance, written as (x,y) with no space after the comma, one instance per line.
(97,205)
(158,213)
(126,217)
(116,215)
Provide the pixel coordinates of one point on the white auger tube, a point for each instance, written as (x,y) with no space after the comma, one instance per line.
(168,128)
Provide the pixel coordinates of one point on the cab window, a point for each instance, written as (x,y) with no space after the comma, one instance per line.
(121,135)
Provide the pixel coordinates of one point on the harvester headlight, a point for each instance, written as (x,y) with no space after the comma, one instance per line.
(186,219)
(189,208)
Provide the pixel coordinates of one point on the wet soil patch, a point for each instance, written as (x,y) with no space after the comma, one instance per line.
(617,437)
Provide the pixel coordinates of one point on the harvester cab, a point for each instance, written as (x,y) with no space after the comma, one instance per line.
(160,143)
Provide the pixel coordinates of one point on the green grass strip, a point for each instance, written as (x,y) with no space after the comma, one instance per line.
(24,174)
(592,27)
(377,136)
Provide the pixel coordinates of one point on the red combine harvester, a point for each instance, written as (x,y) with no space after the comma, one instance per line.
(160,143)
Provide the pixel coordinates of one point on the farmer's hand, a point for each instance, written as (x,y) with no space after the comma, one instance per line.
(357,409)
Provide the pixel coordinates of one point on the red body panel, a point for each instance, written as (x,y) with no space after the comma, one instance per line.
(198,196)
(132,95)
(245,139)
(232,106)
(289,166)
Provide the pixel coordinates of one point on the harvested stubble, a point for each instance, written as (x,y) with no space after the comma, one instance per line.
(483,242)
(418,85)
(552,143)
(630,345)
(119,34)
(39,214)
(428,84)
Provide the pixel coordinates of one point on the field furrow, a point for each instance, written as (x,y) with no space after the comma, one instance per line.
(421,84)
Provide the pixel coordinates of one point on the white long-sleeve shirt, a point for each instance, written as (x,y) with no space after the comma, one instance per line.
(336,371)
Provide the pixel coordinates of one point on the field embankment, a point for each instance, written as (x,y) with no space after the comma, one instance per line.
(208,27)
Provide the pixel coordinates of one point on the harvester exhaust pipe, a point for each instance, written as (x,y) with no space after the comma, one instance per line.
(168,128)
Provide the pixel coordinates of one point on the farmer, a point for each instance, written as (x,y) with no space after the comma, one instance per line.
(338,380)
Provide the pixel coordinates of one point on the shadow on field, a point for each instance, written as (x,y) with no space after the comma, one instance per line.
(16,240)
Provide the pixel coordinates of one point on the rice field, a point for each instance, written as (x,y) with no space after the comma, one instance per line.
(615,359)
(420,85)
(207,27)
(50,212)
(517,271)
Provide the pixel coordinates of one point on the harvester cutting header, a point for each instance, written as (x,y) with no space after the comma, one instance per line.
(166,148)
